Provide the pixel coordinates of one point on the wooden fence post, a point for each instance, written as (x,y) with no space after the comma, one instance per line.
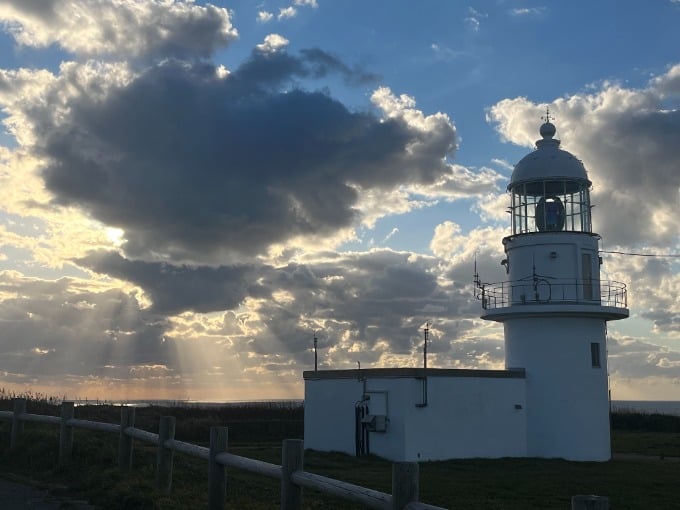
(589,502)
(405,484)
(65,433)
(217,481)
(165,456)
(125,442)
(17,424)
(292,460)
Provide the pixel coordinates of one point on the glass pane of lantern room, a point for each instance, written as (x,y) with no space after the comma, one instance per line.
(585,206)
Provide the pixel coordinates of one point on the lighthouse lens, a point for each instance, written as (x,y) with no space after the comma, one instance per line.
(550,215)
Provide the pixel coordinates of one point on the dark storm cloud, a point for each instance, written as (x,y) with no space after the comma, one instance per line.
(189,164)
(175,289)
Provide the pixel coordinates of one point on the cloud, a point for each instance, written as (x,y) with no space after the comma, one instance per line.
(492,207)
(287,12)
(206,205)
(120,28)
(371,303)
(175,289)
(528,11)
(638,359)
(391,234)
(472,23)
(444,52)
(502,163)
(308,3)
(264,17)
(199,187)
(68,326)
(473,19)
(668,84)
(272,43)
(625,138)
(265,160)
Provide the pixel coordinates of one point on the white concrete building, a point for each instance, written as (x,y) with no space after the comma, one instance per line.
(552,399)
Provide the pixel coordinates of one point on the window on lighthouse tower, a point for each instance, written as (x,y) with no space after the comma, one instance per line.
(595,354)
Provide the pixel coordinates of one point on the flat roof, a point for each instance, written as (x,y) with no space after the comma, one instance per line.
(418,373)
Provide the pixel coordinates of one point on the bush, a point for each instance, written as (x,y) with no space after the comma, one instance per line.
(637,421)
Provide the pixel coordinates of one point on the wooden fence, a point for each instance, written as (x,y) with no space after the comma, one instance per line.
(405,475)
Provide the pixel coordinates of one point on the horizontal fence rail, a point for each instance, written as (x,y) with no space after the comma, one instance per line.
(350,492)
(405,475)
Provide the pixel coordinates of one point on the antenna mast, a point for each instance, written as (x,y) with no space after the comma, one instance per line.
(426,333)
(315,353)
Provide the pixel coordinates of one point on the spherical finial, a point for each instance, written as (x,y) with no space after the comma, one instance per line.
(548,130)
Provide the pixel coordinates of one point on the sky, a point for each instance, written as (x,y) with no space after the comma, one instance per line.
(190,191)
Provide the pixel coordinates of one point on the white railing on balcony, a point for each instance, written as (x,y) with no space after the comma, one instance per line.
(555,291)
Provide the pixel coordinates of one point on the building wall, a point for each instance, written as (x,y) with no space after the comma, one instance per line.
(329,414)
(556,259)
(464,417)
(567,398)
(468,417)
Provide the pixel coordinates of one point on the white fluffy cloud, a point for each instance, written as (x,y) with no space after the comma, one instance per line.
(264,17)
(272,43)
(120,28)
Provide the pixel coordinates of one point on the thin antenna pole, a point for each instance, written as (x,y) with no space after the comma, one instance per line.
(315,353)
(426,332)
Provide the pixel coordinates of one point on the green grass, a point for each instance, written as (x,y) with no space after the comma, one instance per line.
(509,484)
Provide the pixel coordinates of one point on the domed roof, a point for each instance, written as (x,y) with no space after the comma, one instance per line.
(548,162)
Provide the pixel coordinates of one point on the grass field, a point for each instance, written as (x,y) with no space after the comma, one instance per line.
(257,431)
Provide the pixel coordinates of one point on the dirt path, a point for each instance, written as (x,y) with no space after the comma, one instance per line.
(18,494)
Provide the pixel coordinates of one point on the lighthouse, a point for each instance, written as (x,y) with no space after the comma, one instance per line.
(552,397)
(554,307)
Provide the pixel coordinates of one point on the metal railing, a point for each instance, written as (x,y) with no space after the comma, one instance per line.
(405,475)
(554,291)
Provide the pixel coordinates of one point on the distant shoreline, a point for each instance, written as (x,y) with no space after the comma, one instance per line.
(670,407)
(192,403)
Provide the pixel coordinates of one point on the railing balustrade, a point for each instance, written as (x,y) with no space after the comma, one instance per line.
(405,475)
(554,291)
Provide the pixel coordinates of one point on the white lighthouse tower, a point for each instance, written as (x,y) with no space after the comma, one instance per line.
(554,307)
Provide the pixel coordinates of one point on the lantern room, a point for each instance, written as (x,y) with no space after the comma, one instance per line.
(549,190)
